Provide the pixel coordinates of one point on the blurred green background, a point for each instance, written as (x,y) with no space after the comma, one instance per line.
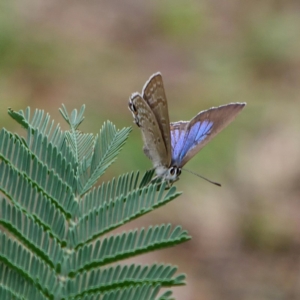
(246,242)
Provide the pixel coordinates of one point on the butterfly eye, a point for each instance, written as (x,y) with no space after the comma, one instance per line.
(175,171)
(172,170)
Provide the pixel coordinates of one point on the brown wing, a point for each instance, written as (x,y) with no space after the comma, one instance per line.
(154,146)
(154,95)
(188,138)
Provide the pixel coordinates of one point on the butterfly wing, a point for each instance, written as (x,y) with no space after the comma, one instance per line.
(154,146)
(188,138)
(154,95)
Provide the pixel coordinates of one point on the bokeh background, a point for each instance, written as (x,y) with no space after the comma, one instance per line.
(246,240)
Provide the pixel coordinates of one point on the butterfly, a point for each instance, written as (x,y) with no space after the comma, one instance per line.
(171,145)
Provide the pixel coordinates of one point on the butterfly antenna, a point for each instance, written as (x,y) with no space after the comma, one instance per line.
(213,182)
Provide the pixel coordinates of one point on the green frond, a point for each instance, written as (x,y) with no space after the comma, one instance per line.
(166,296)
(128,244)
(28,265)
(55,228)
(27,197)
(147,178)
(15,286)
(15,154)
(57,155)
(30,233)
(81,144)
(39,121)
(75,119)
(107,147)
(106,279)
(120,211)
(140,292)
(113,189)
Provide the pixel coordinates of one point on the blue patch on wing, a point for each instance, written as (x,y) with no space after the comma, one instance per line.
(177,140)
(183,141)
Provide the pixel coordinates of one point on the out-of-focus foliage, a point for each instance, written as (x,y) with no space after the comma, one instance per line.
(246,234)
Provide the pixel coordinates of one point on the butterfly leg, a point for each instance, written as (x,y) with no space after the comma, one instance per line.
(160,181)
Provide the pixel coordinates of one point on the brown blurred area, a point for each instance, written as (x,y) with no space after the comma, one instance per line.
(246,238)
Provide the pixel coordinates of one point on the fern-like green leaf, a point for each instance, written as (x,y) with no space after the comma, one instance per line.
(16,154)
(81,144)
(27,264)
(120,211)
(141,292)
(56,155)
(106,279)
(55,226)
(125,245)
(39,126)
(39,121)
(147,178)
(75,119)
(32,234)
(113,189)
(26,196)
(107,147)
(15,286)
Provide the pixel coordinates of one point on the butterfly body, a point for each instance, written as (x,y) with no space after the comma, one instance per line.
(171,145)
